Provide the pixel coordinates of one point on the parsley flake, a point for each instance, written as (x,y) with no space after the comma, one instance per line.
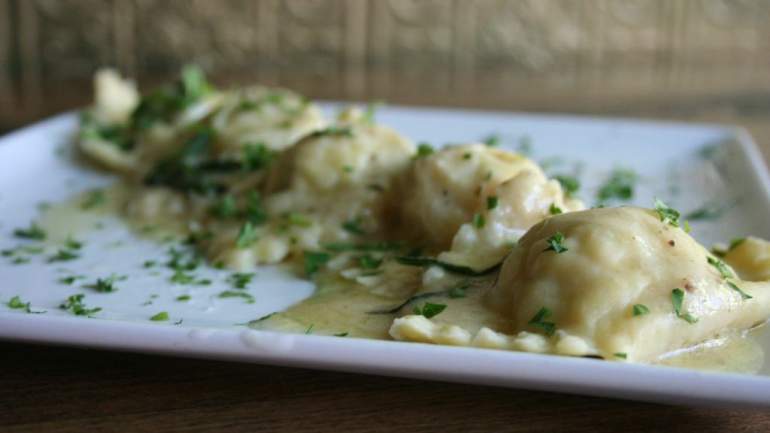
(492,201)
(63,256)
(720,266)
(735,287)
(538,320)
(240,280)
(554,210)
(677,298)
(423,150)
(106,285)
(246,236)
(314,261)
(429,309)
(93,199)
(160,317)
(640,310)
(17,304)
(248,297)
(619,186)
(556,243)
(33,232)
(74,304)
(479,221)
(621,355)
(667,214)
(183,298)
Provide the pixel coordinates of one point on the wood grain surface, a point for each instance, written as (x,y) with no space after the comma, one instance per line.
(44,389)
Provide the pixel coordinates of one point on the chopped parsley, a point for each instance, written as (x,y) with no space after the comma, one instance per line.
(479,221)
(298,220)
(677,298)
(720,266)
(538,320)
(735,243)
(429,261)
(248,297)
(492,140)
(246,236)
(309,329)
(353,226)
(492,201)
(371,110)
(255,211)
(429,309)
(556,243)
(667,214)
(554,210)
(160,317)
(181,276)
(225,207)
(619,186)
(710,211)
(74,304)
(33,232)
(70,280)
(333,131)
(149,264)
(423,150)
(640,310)
(256,156)
(17,304)
(93,199)
(240,280)
(73,244)
(341,334)
(570,184)
(621,355)
(314,261)
(183,298)
(735,287)
(63,255)
(106,285)
(368,262)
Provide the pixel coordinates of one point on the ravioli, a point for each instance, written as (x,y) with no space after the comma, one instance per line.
(475,201)
(617,283)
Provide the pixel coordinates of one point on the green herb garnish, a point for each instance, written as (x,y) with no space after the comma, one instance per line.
(240,280)
(246,236)
(225,207)
(720,266)
(479,221)
(677,298)
(74,304)
(554,210)
(314,261)
(309,329)
(621,355)
(570,184)
(237,294)
(429,309)
(735,287)
(735,243)
(341,334)
(353,226)
(33,232)
(640,310)
(333,131)
(70,280)
(556,243)
(423,150)
(183,298)
(93,199)
(106,285)
(667,214)
(256,156)
(492,140)
(429,261)
(160,317)
(619,186)
(63,256)
(255,211)
(492,201)
(538,320)
(368,262)
(17,304)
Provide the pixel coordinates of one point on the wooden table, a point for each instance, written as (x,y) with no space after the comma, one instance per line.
(73,390)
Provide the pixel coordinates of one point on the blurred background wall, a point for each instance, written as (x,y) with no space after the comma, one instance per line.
(617,56)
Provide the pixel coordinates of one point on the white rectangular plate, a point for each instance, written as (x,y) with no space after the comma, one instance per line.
(36,165)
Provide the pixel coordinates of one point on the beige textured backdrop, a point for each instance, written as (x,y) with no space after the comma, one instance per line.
(559,55)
